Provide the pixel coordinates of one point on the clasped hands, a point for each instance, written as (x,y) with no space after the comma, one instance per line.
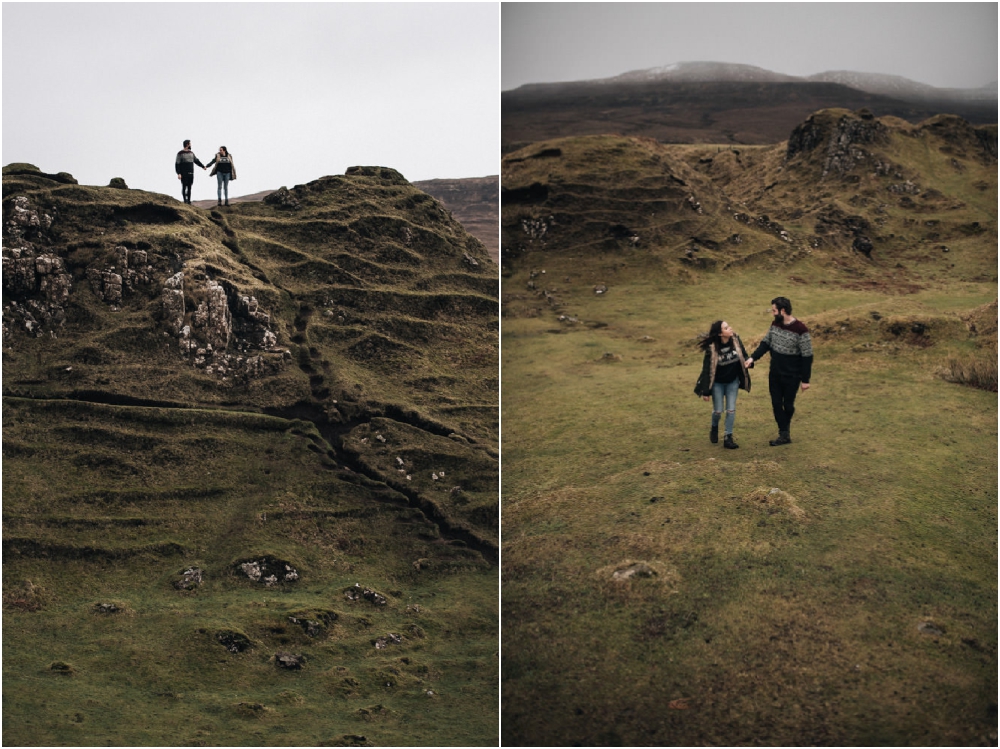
(202,169)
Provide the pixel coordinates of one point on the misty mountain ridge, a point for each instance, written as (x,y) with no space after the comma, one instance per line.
(874,83)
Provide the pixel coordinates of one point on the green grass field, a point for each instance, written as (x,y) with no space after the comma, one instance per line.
(115,503)
(840,590)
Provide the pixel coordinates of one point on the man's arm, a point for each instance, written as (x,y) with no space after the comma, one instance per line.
(806,350)
(762,348)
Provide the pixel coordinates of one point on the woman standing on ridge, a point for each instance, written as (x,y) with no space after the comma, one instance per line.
(224,170)
(723,373)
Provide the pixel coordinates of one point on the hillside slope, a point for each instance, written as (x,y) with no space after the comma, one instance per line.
(660,590)
(215,425)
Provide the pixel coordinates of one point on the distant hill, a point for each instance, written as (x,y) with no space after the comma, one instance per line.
(473,201)
(250,458)
(719,103)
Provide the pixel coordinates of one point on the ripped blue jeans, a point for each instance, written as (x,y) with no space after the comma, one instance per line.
(724,394)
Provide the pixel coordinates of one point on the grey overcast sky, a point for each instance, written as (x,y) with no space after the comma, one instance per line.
(950,45)
(295,91)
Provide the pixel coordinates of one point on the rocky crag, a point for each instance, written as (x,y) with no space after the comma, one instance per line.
(152,349)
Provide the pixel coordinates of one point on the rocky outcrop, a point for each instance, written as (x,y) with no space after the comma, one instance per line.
(36,283)
(282,198)
(112,282)
(172,301)
(842,139)
(213,316)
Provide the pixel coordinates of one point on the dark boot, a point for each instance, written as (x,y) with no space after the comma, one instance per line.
(728,443)
(714,435)
(227,202)
(220,202)
(784,438)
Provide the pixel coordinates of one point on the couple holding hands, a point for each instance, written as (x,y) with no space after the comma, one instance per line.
(726,370)
(224,170)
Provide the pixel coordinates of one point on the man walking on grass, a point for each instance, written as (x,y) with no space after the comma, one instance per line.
(791,364)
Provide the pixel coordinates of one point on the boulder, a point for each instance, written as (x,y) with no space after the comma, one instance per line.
(118,183)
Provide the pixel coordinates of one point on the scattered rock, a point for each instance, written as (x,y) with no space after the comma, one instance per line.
(190,579)
(638,569)
(61,668)
(357,593)
(282,198)
(600,289)
(609,356)
(118,183)
(390,639)
(234,642)
(290,661)
(268,571)
(930,628)
(863,245)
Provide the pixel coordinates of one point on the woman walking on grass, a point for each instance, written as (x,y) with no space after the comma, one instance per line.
(723,374)
(224,171)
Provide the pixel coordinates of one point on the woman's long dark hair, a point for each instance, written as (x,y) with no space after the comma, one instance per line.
(712,337)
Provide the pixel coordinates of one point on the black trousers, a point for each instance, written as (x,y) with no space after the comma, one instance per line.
(186,181)
(783,391)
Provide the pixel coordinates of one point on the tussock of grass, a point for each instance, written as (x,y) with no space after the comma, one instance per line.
(977,371)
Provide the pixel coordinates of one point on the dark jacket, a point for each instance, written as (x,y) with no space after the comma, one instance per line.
(185,161)
(791,350)
(224,164)
(704,385)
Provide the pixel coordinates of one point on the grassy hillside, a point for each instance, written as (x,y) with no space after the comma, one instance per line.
(840,590)
(250,467)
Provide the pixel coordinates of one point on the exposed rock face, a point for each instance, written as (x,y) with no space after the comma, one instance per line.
(118,183)
(214,318)
(282,198)
(173,303)
(36,284)
(842,139)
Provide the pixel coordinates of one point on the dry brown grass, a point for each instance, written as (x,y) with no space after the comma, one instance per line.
(975,371)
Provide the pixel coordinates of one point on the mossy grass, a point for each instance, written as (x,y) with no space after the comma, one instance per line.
(182,540)
(251,493)
(660,590)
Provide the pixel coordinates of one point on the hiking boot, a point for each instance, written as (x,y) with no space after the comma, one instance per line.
(220,203)
(728,443)
(227,202)
(714,435)
(783,439)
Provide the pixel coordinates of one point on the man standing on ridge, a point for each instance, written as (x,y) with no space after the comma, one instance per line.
(184,166)
(791,364)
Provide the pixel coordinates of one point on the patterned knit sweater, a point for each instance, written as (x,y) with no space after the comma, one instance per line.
(790,347)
